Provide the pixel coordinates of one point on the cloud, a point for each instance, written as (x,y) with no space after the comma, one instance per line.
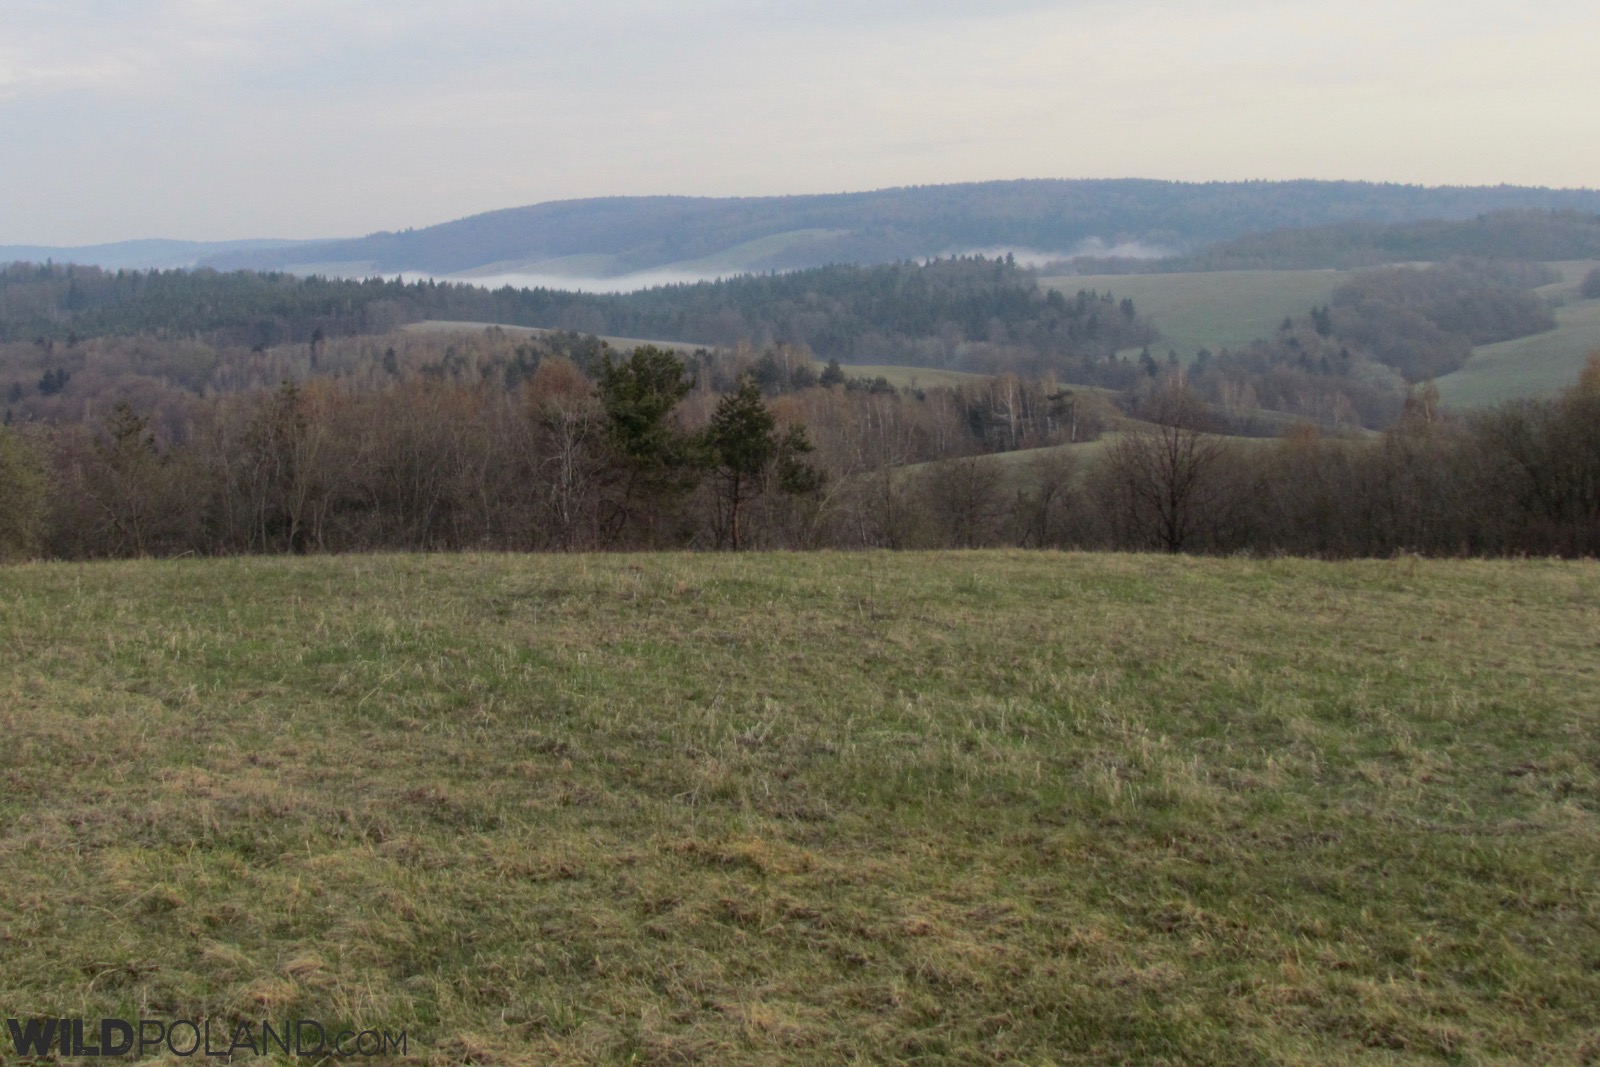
(231,118)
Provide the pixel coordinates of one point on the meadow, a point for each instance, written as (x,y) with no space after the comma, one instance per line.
(1540,365)
(620,344)
(954,808)
(1229,309)
(1213,309)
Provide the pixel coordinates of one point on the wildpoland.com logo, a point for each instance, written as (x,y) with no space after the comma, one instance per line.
(190,1037)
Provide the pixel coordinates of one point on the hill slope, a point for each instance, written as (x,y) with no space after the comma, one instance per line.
(1212,309)
(1522,235)
(697,236)
(154,254)
(1540,365)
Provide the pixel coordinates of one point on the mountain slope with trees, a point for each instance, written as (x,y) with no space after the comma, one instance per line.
(1535,235)
(943,313)
(1052,216)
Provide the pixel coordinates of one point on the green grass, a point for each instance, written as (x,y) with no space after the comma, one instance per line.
(1540,365)
(621,344)
(1571,273)
(922,808)
(1213,309)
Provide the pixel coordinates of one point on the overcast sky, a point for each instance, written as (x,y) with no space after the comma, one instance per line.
(219,119)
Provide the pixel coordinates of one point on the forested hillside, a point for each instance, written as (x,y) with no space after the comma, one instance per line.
(624,234)
(932,314)
(1515,235)
(1345,364)
(153,254)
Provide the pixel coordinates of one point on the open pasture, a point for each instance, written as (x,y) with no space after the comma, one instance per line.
(919,808)
(1540,365)
(620,344)
(1212,309)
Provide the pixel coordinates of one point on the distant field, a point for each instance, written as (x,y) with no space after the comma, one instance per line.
(1572,273)
(1232,308)
(1539,365)
(946,809)
(621,344)
(911,377)
(1216,309)
(1019,471)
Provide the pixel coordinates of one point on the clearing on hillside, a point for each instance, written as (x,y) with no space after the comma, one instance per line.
(621,344)
(1212,309)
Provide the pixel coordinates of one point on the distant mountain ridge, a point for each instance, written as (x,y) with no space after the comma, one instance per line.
(151,254)
(695,237)
(699,235)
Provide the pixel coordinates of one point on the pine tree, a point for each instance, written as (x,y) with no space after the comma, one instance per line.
(656,459)
(746,448)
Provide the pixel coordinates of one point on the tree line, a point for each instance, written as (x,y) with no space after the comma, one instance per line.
(1346,364)
(646,453)
(428,463)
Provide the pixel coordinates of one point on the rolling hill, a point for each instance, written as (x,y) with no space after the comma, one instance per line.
(154,254)
(1517,234)
(670,238)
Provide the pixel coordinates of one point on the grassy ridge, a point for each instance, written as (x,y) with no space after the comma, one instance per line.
(960,808)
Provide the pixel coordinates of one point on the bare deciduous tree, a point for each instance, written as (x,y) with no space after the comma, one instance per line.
(1158,483)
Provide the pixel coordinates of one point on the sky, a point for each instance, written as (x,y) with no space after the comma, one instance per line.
(230,119)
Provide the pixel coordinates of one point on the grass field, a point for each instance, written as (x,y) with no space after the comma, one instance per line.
(1213,309)
(912,377)
(936,809)
(1571,273)
(1541,365)
(621,344)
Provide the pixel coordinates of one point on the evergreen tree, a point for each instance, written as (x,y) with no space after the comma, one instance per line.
(746,450)
(657,460)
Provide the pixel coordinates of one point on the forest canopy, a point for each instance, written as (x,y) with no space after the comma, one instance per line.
(898,313)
